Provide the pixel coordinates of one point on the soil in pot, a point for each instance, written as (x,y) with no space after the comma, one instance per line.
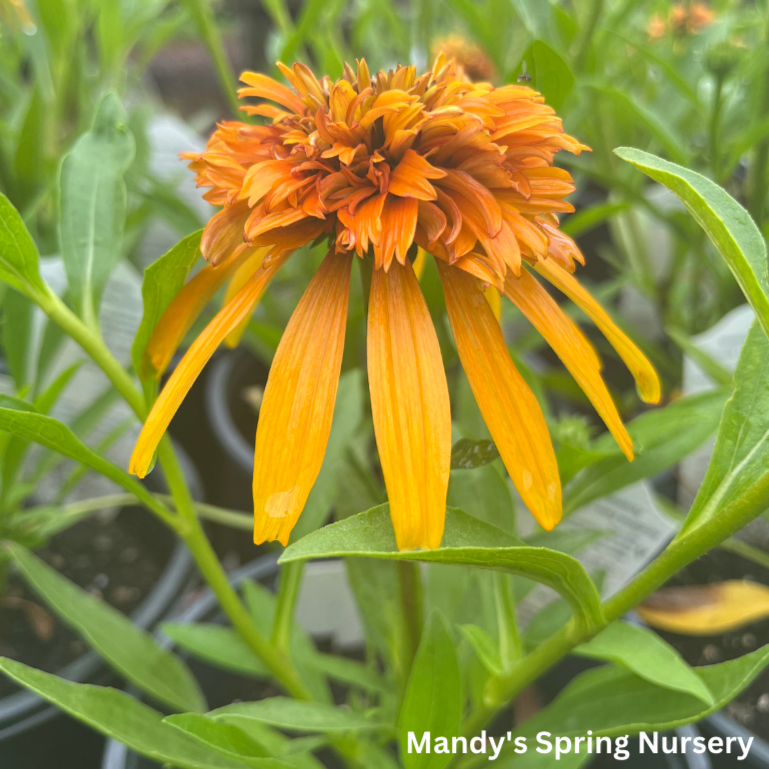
(118,559)
(751,708)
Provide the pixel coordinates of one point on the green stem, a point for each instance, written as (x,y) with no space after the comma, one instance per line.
(216,578)
(410,579)
(91,341)
(186,524)
(588,30)
(201,12)
(288,592)
(761,157)
(510,647)
(678,554)
(715,122)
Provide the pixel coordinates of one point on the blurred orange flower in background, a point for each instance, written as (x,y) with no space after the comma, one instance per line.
(471,58)
(683,19)
(376,167)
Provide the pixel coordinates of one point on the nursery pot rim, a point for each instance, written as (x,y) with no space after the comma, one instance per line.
(220,416)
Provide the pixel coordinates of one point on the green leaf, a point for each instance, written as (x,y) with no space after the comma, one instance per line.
(709,365)
(296,715)
(126,647)
(291,751)
(433,699)
(588,218)
(644,653)
(17,329)
(736,479)
(467,453)
(223,738)
(163,280)
(662,438)
(348,413)
(725,221)
(120,717)
(549,72)
(93,204)
(19,261)
(55,435)
(485,647)
(216,644)
(612,701)
(467,541)
(348,671)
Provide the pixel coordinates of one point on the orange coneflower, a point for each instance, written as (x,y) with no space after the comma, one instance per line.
(469,56)
(376,167)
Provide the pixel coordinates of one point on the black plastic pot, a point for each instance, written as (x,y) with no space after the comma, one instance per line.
(117,755)
(29,725)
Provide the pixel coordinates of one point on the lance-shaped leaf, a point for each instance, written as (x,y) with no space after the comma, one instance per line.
(126,647)
(162,281)
(223,738)
(647,655)
(433,699)
(19,260)
(662,438)
(93,204)
(737,482)
(296,715)
(725,221)
(120,717)
(55,435)
(466,541)
(612,701)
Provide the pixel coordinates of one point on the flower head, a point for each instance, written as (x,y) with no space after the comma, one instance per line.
(467,55)
(376,166)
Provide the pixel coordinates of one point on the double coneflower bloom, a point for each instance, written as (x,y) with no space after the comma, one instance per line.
(377,167)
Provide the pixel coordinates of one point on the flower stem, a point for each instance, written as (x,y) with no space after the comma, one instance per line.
(715,122)
(510,648)
(187,523)
(678,554)
(412,600)
(288,592)
(201,12)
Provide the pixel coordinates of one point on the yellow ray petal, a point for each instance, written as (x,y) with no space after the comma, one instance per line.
(239,279)
(410,406)
(298,404)
(494,300)
(508,406)
(571,346)
(419,263)
(642,370)
(185,308)
(192,364)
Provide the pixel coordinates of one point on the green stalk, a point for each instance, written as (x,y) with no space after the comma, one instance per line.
(510,647)
(201,12)
(186,523)
(678,554)
(412,600)
(715,122)
(288,591)
(588,31)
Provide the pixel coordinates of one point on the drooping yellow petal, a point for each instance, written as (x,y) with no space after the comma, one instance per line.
(410,406)
(704,610)
(642,370)
(239,279)
(186,307)
(298,403)
(508,406)
(192,364)
(419,263)
(571,346)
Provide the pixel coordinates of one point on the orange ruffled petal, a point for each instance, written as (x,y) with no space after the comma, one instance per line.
(571,346)
(508,406)
(192,364)
(642,370)
(410,406)
(298,404)
(186,307)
